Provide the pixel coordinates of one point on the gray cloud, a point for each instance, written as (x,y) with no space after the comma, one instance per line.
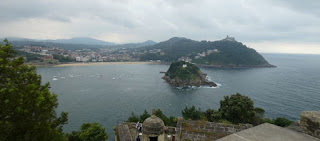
(135,21)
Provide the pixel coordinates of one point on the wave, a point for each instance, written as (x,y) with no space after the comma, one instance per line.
(218,86)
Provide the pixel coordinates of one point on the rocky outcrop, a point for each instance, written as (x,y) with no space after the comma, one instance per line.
(185,74)
(310,123)
(189,83)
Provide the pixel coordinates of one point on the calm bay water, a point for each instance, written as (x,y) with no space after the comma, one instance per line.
(109,93)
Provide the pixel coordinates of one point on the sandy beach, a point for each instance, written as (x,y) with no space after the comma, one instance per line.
(102,63)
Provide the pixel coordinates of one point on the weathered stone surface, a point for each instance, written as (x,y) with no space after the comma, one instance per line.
(208,131)
(310,123)
(124,133)
(268,132)
(153,126)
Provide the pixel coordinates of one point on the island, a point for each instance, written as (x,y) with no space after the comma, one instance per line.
(184,74)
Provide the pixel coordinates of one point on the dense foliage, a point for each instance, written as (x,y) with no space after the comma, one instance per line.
(280,121)
(230,53)
(89,132)
(237,109)
(29,56)
(234,109)
(27,110)
(61,58)
(170,121)
(177,71)
(192,113)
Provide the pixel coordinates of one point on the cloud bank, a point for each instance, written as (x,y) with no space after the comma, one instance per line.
(266,25)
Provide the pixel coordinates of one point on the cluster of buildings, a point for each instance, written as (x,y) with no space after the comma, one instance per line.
(83,55)
(205,53)
(199,55)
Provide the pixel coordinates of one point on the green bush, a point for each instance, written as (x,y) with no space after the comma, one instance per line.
(237,109)
(280,121)
(170,121)
(192,113)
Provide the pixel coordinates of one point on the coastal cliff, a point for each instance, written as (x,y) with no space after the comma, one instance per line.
(184,74)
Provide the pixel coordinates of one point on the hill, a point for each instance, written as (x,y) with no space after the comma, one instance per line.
(182,74)
(222,53)
(73,43)
(135,45)
(81,40)
(21,44)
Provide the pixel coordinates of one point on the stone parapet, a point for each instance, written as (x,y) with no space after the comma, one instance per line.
(204,130)
(310,123)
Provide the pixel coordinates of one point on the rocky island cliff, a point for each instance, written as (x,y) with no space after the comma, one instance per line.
(184,74)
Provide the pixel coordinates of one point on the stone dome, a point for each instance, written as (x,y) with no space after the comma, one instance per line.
(153,126)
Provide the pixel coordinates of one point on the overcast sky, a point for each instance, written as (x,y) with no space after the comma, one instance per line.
(284,26)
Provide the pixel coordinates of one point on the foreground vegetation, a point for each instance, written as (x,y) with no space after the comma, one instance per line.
(28,108)
(233,109)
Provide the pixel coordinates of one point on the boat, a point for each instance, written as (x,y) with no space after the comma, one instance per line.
(55,78)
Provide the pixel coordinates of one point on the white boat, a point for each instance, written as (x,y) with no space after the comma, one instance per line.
(55,78)
(113,78)
(63,77)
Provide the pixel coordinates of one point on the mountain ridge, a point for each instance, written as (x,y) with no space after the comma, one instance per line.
(221,53)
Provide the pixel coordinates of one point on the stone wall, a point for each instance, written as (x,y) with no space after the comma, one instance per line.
(310,123)
(208,131)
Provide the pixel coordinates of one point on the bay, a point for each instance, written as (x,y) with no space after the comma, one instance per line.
(108,94)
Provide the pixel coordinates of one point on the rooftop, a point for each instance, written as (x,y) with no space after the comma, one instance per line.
(268,132)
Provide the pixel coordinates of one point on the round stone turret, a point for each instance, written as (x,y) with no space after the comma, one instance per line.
(153,126)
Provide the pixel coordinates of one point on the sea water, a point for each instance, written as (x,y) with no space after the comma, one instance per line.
(108,94)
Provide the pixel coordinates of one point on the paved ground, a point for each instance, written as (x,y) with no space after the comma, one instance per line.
(268,132)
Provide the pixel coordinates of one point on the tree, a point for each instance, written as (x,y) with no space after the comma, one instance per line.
(213,115)
(92,132)
(27,110)
(281,121)
(259,116)
(237,109)
(170,121)
(144,116)
(133,118)
(192,113)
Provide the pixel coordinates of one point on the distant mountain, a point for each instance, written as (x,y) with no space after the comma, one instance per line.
(21,44)
(81,40)
(222,53)
(16,39)
(135,45)
(74,43)
(76,40)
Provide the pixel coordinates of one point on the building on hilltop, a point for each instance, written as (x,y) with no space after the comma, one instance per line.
(229,39)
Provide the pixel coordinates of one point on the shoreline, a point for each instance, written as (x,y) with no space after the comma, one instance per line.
(92,64)
(145,62)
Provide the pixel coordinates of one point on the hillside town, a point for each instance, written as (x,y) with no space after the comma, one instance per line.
(83,55)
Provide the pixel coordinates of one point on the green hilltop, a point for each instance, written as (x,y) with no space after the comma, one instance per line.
(177,71)
(223,53)
(182,74)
